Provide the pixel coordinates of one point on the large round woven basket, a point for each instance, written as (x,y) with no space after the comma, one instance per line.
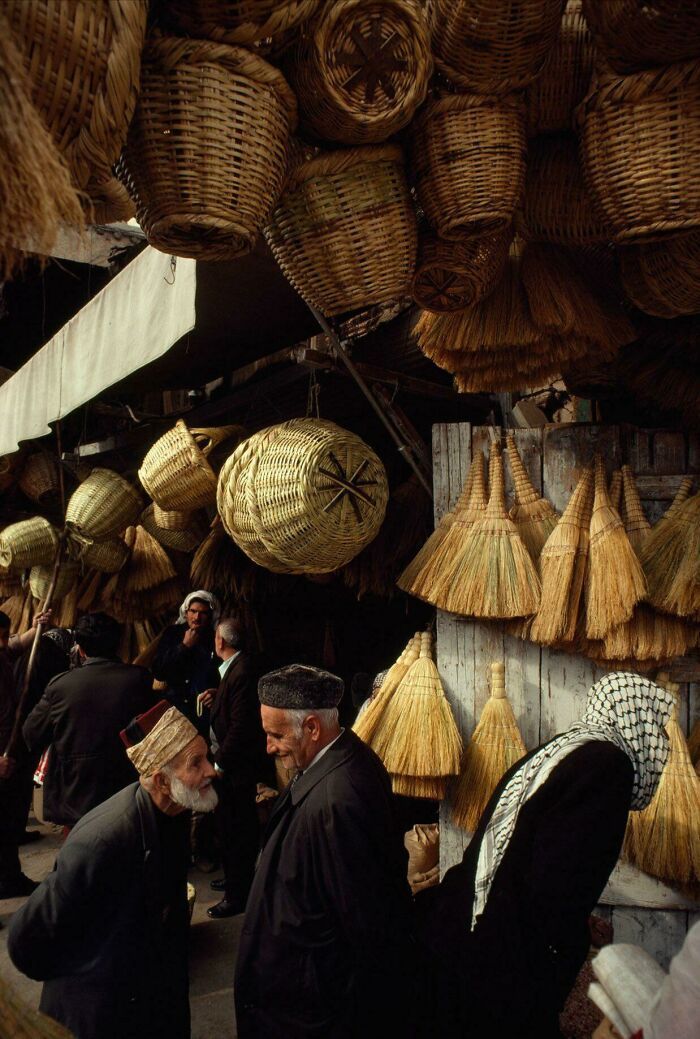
(468,159)
(640,144)
(106,556)
(633,35)
(207,150)
(84,60)
(239,21)
(181,539)
(557,206)
(493,48)
(344,232)
(102,505)
(31,542)
(552,97)
(40,578)
(663,278)
(315,494)
(176,473)
(39,478)
(362,70)
(453,275)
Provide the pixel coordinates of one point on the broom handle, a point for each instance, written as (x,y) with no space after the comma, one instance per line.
(498,680)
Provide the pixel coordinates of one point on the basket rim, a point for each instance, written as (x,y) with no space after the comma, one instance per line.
(342,159)
(612,88)
(448,103)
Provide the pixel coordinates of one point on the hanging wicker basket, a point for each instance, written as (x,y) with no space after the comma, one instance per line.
(39,478)
(362,70)
(207,151)
(633,35)
(9,467)
(640,144)
(102,505)
(40,578)
(663,278)
(176,473)
(493,48)
(173,519)
(181,539)
(84,61)
(453,275)
(468,160)
(31,542)
(344,232)
(551,99)
(242,22)
(106,556)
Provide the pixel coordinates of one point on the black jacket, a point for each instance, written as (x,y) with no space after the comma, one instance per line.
(325,949)
(235,719)
(81,715)
(512,974)
(187,670)
(110,949)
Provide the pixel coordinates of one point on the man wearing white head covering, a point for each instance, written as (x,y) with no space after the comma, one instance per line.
(107,930)
(508,927)
(185,657)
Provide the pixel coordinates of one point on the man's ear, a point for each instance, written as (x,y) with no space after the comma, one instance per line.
(161,783)
(314,725)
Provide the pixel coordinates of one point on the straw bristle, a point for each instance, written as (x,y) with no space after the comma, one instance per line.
(367,724)
(149,564)
(434,788)
(648,635)
(615,490)
(563,563)
(672,563)
(637,525)
(534,516)
(615,581)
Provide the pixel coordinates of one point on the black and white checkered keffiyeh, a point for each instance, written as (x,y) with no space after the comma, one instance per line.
(623,708)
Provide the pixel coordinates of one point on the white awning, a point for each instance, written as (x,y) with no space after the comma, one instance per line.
(136,318)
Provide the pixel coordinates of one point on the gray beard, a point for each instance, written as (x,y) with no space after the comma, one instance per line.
(195,800)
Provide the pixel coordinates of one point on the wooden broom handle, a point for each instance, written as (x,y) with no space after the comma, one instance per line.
(498,680)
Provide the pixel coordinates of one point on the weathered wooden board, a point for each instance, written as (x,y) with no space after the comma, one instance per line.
(628,886)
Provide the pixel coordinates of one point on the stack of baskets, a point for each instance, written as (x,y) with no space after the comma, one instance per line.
(302,497)
(265,24)
(177,530)
(176,471)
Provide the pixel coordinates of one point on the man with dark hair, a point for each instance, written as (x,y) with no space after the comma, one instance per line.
(238,746)
(80,716)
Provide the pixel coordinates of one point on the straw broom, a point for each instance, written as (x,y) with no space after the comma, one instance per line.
(661,552)
(676,588)
(615,580)
(493,574)
(637,525)
(366,725)
(648,636)
(615,490)
(534,516)
(496,744)
(664,839)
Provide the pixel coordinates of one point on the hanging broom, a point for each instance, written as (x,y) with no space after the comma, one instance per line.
(615,581)
(664,839)
(496,744)
(534,516)
(467,511)
(366,725)
(661,552)
(637,525)
(648,636)
(615,490)
(673,565)
(493,574)
(562,568)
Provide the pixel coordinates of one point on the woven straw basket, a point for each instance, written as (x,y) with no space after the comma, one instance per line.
(362,70)
(239,21)
(633,35)
(182,539)
(551,99)
(106,556)
(176,473)
(468,158)
(640,143)
(39,478)
(344,232)
(31,542)
(102,505)
(663,278)
(454,275)
(40,578)
(207,151)
(84,62)
(314,494)
(493,48)
(9,466)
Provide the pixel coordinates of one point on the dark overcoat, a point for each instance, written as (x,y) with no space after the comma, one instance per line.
(187,670)
(111,953)
(512,974)
(235,719)
(81,715)
(325,949)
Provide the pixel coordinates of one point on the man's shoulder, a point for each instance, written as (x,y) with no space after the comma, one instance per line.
(355,768)
(111,819)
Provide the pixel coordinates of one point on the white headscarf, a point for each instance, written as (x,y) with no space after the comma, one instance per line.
(208,598)
(623,708)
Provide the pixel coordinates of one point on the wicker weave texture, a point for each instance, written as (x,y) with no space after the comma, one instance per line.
(633,35)
(102,505)
(663,278)
(493,46)
(40,578)
(31,542)
(239,21)
(175,471)
(640,141)
(181,539)
(363,70)
(207,151)
(84,58)
(468,159)
(451,275)
(106,556)
(39,478)
(552,97)
(345,233)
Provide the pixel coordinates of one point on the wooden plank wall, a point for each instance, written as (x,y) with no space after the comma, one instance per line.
(548,689)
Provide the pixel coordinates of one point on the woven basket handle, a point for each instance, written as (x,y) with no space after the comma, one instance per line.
(207,439)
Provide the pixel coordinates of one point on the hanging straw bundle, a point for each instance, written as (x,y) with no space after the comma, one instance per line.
(671,560)
(534,516)
(615,580)
(648,636)
(562,569)
(656,554)
(615,490)
(664,839)
(449,535)
(221,566)
(496,744)
(367,724)
(637,525)
(493,574)
(149,564)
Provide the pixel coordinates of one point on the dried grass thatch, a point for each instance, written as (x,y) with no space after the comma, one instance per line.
(221,566)
(533,515)
(671,560)
(648,636)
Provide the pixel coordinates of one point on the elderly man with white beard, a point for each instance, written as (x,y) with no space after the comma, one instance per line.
(107,930)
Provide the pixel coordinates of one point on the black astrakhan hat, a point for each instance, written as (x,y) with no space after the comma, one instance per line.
(299,687)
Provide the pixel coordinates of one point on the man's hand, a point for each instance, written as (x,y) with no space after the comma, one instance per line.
(206,698)
(190,638)
(7,767)
(43,618)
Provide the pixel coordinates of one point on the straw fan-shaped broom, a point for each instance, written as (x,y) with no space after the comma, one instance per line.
(615,580)
(637,525)
(419,742)
(661,552)
(496,744)
(676,588)
(664,838)
(367,723)
(533,515)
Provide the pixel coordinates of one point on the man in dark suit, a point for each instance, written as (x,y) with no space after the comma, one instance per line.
(80,715)
(238,747)
(326,949)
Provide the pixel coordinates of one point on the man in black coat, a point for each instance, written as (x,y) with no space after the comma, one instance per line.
(325,949)
(80,715)
(185,656)
(238,746)
(107,930)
